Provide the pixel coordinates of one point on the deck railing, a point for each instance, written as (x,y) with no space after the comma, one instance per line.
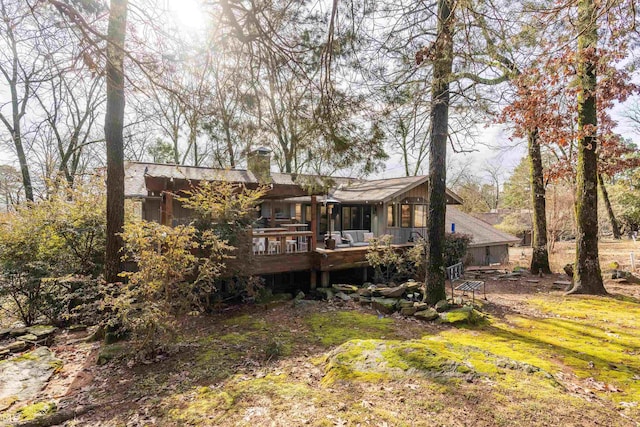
(270,242)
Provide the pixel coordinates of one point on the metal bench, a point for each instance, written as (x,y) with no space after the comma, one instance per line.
(456,272)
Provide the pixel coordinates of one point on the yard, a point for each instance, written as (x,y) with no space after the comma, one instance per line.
(538,358)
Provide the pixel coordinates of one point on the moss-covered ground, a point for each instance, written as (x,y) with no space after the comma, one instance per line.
(536,358)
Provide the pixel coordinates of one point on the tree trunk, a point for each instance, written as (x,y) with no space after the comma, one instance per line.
(113,128)
(587,277)
(442,65)
(540,258)
(615,228)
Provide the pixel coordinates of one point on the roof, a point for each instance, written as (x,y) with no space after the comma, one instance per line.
(378,190)
(135,182)
(383,190)
(483,233)
(348,190)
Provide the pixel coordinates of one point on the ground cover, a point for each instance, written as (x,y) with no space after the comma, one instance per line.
(535,357)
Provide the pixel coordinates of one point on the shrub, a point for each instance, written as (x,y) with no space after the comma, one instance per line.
(455,249)
(388,264)
(178,268)
(43,241)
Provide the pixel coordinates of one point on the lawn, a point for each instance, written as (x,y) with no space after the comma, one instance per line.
(536,358)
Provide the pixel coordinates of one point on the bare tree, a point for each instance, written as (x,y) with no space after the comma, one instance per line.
(23,66)
(113,129)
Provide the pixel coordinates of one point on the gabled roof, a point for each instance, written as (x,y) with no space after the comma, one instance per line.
(347,190)
(483,233)
(384,190)
(138,173)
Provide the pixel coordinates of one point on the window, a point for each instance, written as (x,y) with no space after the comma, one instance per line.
(346,216)
(298,212)
(419,216)
(405,216)
(392,219)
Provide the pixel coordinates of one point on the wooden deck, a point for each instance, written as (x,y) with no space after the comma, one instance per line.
(320,260)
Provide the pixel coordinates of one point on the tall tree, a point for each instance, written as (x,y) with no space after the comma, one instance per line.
(442,54)
(113,128)
(22,66)
(587,275)
(615,227)
(540,256)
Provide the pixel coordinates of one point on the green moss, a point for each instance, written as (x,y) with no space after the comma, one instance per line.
(245,321)
(338,327)
(22,357)
(464,315)
(111,351)
(35,410)
(214,405)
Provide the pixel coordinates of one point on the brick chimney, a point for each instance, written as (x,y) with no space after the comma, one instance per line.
(259,162)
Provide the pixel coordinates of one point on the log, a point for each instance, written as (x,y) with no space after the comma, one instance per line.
(58,418)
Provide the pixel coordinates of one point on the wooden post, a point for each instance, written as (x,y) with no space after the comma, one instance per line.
(314,279)
(166,208)
(633,262)
(272,215)
(324,279)
(169,207)
(314,222)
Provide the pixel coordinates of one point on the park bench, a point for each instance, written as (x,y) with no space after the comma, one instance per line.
(455,272)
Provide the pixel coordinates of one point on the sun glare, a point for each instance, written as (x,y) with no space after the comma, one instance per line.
(188,14)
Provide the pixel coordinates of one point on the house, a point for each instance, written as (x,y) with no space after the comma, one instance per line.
(489,245)
(299,210)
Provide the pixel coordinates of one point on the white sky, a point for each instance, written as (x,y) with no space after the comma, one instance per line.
(189,15)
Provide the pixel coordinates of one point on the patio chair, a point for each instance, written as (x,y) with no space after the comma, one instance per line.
(258,245)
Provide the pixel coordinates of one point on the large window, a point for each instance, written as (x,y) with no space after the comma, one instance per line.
(356,217)
(419,216)
(392,216)
(405,216)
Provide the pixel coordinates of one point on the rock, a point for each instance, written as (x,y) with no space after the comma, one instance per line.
(364,301)
(562,284)
(30,338)
(4,333)
(396,292)
(420,305)
(532,281)
(16,332)
(41,331)
(347,289)
(408,311)
(14,347)
(23,377)
(405,303)
(462,315)
(384,305)
(569,270)
(428,314)
(364,292)
(77,328)
(442,305)
(327,293)
(412,285)
(510,275)
(300,295)
(343,296)
(457,301)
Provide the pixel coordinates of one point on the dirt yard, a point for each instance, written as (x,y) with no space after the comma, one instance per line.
(536,358)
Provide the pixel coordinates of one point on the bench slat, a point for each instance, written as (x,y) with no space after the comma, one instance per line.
(469,286)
